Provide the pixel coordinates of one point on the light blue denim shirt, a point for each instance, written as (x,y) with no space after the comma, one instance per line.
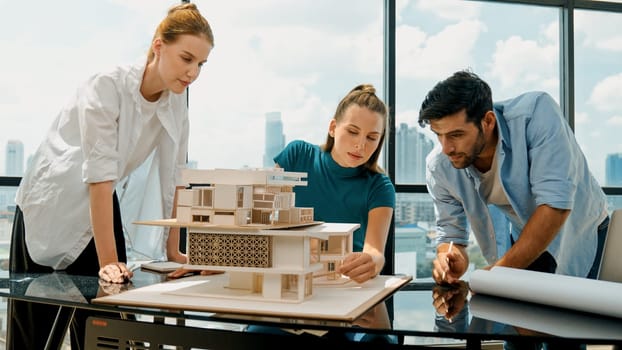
(539,163)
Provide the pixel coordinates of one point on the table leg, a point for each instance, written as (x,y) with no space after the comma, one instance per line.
(59,328)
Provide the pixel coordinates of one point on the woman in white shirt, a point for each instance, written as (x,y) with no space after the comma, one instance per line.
(116,120)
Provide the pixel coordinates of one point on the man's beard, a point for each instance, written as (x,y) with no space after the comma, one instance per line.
(468,159)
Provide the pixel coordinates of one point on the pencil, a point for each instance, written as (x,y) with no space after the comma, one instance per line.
(451,245)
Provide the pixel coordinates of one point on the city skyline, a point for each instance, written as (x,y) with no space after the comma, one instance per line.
(412,146)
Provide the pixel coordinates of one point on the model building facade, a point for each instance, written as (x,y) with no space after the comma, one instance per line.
(242,197)
(245,222)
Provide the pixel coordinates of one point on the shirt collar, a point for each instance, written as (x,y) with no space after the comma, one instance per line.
(135,77)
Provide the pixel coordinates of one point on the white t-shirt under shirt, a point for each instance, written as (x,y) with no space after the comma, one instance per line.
(492,190)
(148,138)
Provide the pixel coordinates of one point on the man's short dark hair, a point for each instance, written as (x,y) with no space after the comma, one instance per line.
(463,90)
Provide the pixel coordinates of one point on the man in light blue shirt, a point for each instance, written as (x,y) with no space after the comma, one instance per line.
(516,158)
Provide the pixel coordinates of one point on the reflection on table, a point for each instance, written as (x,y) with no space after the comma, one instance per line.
(415,313)
(457,310)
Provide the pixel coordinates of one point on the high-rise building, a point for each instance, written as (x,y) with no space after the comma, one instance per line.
(613,170)
(412,147)
(14,165)
(275,139)
(613,178)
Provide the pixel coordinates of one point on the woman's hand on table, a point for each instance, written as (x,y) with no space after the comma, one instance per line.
(116,272)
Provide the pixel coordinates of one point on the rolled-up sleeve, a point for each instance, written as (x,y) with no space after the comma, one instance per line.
(98,114)
(451,221)
(551,156)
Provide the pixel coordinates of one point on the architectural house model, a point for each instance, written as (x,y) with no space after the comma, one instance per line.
(241,197)
(245,222)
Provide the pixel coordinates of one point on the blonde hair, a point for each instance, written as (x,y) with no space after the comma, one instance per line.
(363,95)
(182,19)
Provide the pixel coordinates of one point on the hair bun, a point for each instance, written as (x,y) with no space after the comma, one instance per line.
(187,6)
(369,88)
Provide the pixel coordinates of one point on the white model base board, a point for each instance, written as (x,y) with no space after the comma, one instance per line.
(219,288)
(344,302)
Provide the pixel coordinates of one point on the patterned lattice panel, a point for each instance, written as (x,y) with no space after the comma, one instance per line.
(240,250)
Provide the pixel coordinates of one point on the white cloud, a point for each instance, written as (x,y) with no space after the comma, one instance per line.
(550,33)
(301,50)
(521,64)
(259,66)
(610,44)
(46,67)
(344,16)
(450,9)
(422,56)
(615,120)
(233,116)
(400,7)
(599,30)
(606,94)
(268,56)
(229,101)
(160,6)
(581,118)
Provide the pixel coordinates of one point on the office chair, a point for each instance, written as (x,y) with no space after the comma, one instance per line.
(611,262)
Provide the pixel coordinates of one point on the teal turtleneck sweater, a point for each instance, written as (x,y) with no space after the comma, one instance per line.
(337,194)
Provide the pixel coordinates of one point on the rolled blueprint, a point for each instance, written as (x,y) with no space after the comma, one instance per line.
(576,293)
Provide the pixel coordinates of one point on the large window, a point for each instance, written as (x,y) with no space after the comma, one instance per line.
(279,68)
(513,47)
(276,74)
(50,47)
(598,76)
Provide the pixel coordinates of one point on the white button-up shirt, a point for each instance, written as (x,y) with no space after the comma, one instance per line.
(94,139)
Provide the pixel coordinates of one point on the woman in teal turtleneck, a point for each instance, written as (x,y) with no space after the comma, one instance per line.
(345,182)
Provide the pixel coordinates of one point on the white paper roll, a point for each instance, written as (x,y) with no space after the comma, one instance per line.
(575,293)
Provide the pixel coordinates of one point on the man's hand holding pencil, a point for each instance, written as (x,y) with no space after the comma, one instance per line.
(450,264)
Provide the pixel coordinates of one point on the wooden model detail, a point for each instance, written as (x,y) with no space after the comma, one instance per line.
(219,249)
(245,222)
(270,264)
(241,197)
